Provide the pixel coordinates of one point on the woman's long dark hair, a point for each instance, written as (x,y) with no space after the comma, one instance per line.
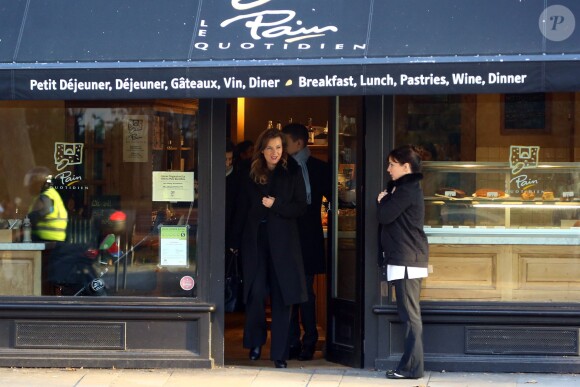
(259,171)
(407,154)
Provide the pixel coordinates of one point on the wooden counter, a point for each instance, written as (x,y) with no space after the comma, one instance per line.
(502,264)
(20,269)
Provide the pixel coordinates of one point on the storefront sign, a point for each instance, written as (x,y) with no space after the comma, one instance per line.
(523,157)
(264,48)
(173,245)
(319,79)
(68,154)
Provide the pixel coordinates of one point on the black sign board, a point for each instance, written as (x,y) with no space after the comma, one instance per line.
(79,49)
(525,113)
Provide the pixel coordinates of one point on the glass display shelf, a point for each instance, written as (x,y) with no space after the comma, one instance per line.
(494,194)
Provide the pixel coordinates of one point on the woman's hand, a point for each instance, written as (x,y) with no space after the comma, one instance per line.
(382,195)
(268,201)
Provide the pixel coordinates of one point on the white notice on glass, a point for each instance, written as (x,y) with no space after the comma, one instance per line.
(173,246)
(173,186)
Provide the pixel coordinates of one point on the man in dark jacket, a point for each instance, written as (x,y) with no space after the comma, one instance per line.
(233,290)
(316,174)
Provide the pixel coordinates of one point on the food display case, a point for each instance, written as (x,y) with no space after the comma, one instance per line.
(499,234)
(483,195)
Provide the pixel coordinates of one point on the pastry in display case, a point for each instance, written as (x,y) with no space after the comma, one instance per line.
(490,194)
(453,193)
(567,196)
(528,195)
(548,195)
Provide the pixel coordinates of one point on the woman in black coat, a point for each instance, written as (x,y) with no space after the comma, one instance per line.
(401,214)
(266,231)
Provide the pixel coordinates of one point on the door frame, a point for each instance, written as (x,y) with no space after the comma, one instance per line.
(379,139)
(374,143)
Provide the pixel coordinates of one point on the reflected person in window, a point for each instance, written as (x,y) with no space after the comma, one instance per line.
(271,199)
(47,213)
(401,214)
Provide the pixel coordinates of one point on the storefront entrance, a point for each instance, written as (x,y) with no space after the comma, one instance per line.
(335,129)
(485,270)
(149,94)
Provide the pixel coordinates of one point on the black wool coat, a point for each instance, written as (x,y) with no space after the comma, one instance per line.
(310,224)
(286,185)
(401,215)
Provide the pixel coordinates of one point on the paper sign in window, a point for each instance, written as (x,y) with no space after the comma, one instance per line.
(173,245)
(135,139)
(173,186)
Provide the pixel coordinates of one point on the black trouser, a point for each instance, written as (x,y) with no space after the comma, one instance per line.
(305,312)
(266,284)
(408,291)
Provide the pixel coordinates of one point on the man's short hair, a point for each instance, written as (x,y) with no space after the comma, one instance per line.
(297,132)
(243,146)
(229,146)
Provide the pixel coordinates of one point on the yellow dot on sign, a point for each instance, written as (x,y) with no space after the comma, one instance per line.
(289,82)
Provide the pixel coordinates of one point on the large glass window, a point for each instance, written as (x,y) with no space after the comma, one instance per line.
(119,178)
(502,193)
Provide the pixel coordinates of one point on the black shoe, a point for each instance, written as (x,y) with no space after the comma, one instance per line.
(398,375)
(307,353)
(394,375)
(294,351)
(280,364)
(255,353)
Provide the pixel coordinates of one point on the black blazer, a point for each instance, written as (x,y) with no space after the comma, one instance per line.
(287,187)
(310,224)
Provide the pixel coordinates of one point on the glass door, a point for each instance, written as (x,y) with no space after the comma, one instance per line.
(345,291)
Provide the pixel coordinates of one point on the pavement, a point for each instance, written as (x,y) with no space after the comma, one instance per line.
(243,376)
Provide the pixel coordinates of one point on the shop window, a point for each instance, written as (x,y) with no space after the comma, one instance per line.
(502,194)
(432,123)
(127,176)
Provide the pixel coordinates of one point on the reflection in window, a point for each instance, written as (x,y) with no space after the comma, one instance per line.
(101,161)
(432,122)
